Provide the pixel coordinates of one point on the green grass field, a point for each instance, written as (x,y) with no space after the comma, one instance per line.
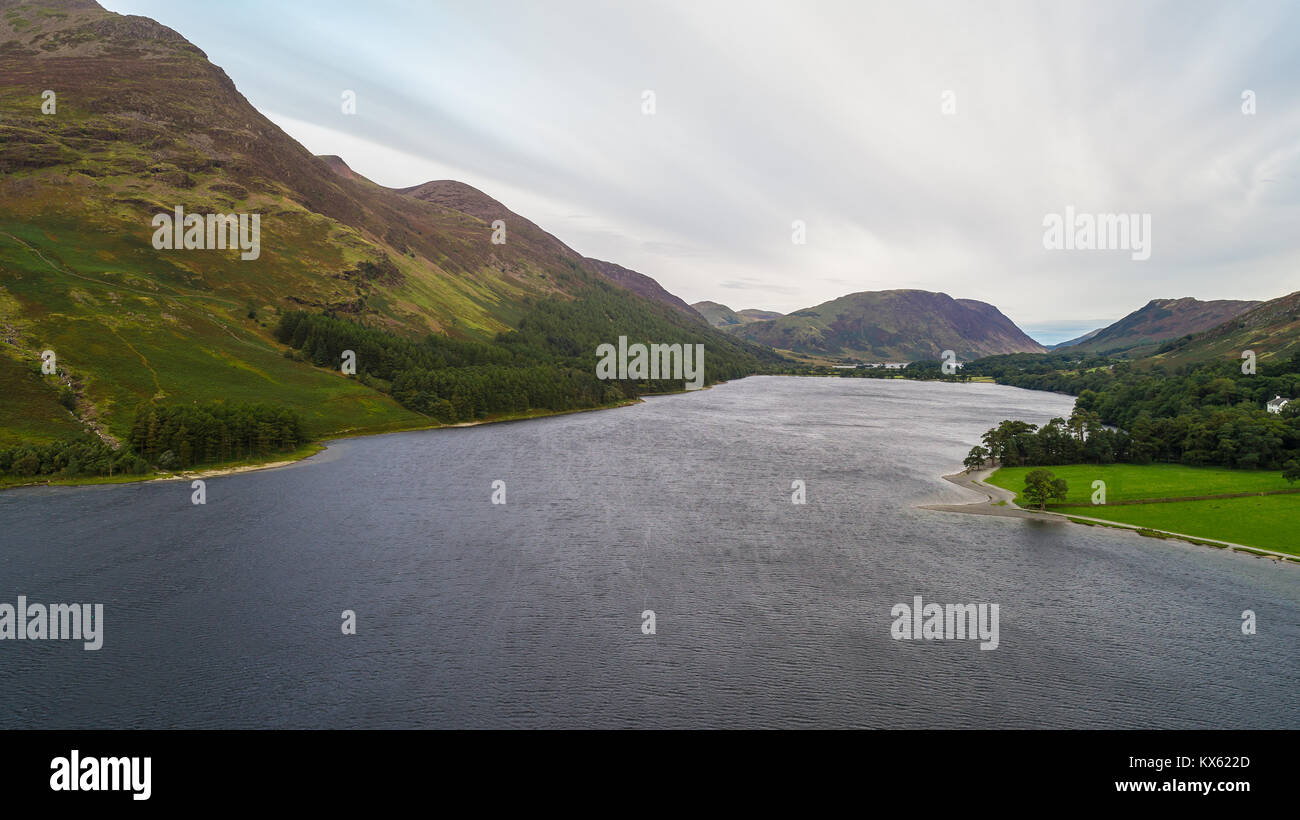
(1132,482)
(1266,521)
(1271,522)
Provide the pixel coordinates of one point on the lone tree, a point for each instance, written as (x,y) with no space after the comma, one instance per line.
(1042,486)
(1291,471)
(978,455)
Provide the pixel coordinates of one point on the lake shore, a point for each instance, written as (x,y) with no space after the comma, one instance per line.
(998,502)
(1001,503)
(310,449)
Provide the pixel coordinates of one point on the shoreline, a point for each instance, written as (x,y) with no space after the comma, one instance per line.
(999,502)
(318,446)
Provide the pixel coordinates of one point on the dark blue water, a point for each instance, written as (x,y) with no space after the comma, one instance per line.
(768,614)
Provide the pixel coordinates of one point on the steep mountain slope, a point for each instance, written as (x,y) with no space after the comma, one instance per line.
(1159,321)
(641,285)
(1271,329)
(902,325)
(141,124)
(457,196)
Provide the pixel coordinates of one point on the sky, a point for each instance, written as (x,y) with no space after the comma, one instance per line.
(919,145)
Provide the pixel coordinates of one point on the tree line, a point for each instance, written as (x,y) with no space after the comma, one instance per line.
(1211,414)
(546,363)
(920,370)
(85,456)
(167,437)
(184,436)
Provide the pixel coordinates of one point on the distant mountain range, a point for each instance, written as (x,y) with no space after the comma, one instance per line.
(893,325)
(723,317)
(1158,321)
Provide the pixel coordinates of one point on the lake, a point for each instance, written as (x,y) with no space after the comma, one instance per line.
(529,613)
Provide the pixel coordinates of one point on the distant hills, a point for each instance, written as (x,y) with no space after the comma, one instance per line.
(892,325)
(721,316)
(1085,337)
(1158,321)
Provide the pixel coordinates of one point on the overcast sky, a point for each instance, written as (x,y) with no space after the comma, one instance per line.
(830,113)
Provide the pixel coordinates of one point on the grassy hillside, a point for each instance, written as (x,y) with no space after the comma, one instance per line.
(1270,329)
(1160,320)
(144,123)
(123,338)
(30,410)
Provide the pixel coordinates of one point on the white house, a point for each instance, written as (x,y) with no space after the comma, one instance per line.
(1276,405)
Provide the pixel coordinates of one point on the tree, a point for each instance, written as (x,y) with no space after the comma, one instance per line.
(978,456)
(1291,471)
(1042,486)
(1082,421)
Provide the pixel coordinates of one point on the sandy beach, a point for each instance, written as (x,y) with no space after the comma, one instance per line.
(997,501)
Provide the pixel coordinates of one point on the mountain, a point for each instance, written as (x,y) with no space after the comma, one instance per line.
(641,285)
(141,123)
(458,196)
(1085,337)
(1159,320)
(898,325)
(1271,329)
(721,316)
